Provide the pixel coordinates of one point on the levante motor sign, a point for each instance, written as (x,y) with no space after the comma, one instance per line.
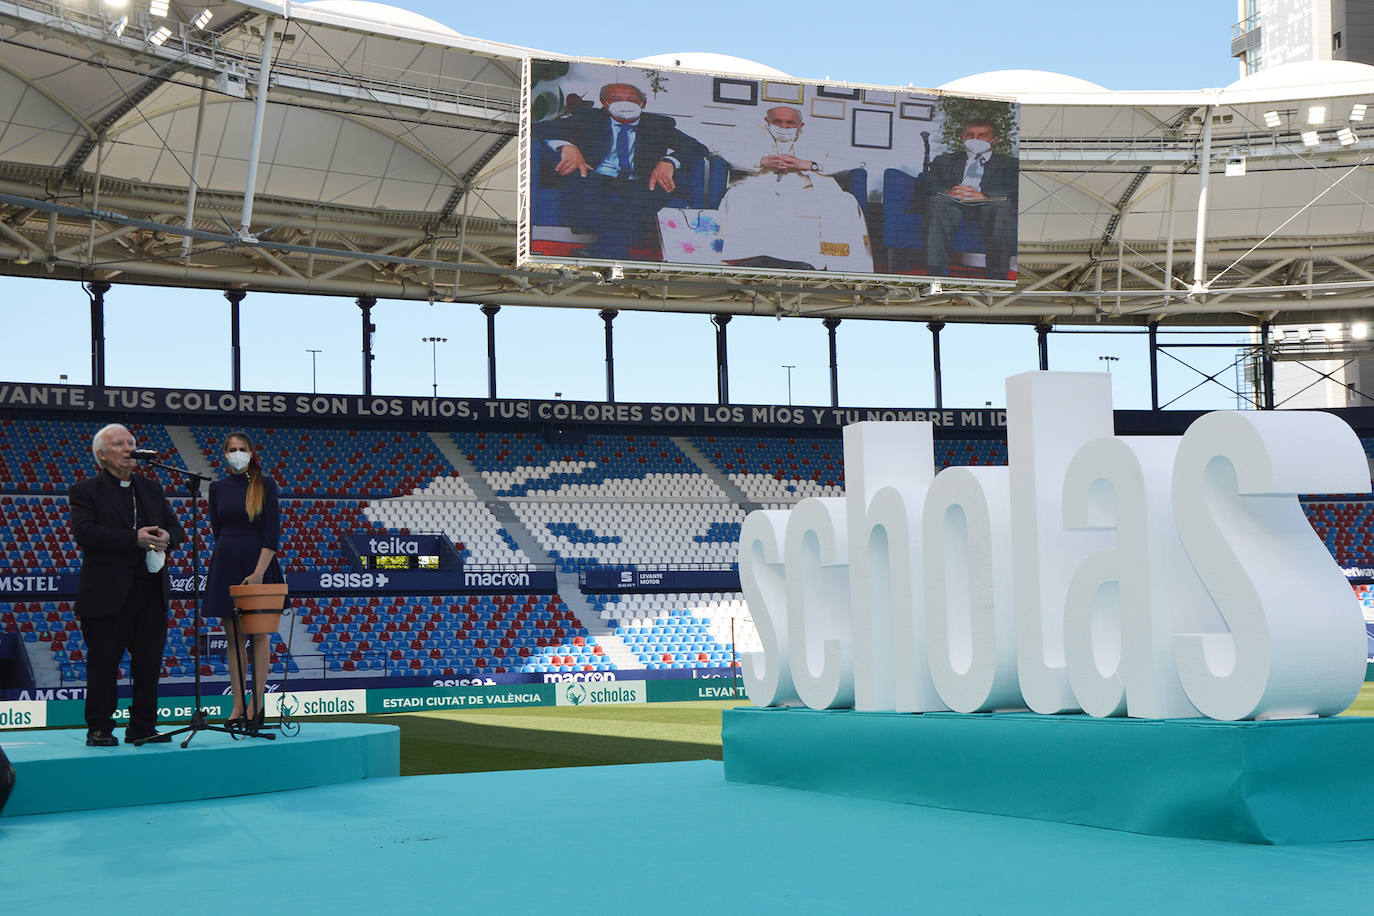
(1154,577)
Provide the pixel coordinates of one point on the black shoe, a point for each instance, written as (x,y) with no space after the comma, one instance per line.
(148,738)
(99,737)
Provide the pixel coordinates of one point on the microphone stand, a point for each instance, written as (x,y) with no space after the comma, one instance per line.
(198,721)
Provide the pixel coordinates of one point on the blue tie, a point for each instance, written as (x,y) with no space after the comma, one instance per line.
(622,150)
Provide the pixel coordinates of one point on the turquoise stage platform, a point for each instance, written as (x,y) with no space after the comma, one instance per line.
(672,838)
(1277,782)
(56,771)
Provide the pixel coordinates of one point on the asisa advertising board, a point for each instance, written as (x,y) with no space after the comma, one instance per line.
(655,168)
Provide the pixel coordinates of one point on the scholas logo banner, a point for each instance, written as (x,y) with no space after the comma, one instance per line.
(601,694)
(23,714)
(318,703)
(1153,577)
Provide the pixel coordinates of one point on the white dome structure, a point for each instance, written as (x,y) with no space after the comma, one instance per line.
(380,14)
(1021,82)
(712,63)
(1306,73)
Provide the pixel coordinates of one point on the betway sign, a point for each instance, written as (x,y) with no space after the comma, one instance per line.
(1154,577)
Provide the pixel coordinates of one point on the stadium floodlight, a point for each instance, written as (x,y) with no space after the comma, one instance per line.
(202,20)
(1316,115)
(1235,166)
(1279,335)
(1304,334)
(158,8)
(1359,331)
(160,36)
(1346,136)
(1357,111)
(1272,119)
(1310,138)
(120,26)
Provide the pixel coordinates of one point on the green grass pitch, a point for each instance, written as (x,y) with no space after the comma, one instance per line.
(471,741)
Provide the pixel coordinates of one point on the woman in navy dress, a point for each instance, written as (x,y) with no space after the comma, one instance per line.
(245,518)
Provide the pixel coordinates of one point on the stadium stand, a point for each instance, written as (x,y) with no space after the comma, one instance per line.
(326,462)
(51,455)
(52,625)
(623,534)
(451,635)
(681,630)
(611,502)
(777,471)
(609,466)
(448,506)
(1344,524)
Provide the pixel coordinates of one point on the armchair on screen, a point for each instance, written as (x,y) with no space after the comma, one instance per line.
(551,223)
(904,236)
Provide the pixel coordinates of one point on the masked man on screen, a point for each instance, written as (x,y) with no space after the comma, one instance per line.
(784,208)
(617,164)
(978,183)
(124,526)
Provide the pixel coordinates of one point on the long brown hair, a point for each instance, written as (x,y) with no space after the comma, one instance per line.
(253,502)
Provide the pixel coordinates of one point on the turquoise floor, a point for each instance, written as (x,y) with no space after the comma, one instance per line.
(660,838)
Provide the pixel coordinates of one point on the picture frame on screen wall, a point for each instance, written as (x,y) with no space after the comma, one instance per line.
(871,129)
(837,92)
(880,97)
(917,111)
(827,108)
(791,93)
(735,92)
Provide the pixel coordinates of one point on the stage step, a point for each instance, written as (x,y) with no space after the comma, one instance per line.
(56,771)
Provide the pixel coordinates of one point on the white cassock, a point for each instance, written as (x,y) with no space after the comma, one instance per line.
(793,216)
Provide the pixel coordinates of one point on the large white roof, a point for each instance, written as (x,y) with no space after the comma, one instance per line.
(389,168)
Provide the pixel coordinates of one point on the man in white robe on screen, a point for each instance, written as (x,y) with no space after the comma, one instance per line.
(785,209)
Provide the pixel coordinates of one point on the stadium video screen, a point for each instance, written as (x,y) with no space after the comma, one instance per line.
(399,561)
(649,167)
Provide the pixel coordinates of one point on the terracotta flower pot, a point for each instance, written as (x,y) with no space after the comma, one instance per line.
(259,606)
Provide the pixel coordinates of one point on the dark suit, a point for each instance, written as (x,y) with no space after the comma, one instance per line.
(620,210)
(996,219)
(121,605)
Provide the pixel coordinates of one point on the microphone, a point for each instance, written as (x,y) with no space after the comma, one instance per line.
(144,454)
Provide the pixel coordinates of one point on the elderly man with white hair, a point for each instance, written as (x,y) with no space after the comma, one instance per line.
(124,526)
(784,207)
(617,165)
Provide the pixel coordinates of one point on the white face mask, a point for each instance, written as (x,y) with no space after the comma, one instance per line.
(625,111)
(238,460)
(783,134)
(977,147)
(154,560)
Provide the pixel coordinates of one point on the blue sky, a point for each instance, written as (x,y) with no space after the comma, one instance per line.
(177,338)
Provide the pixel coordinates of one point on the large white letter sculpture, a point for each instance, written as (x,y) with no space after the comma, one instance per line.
(1296,640)
(888,469)
(1155,577)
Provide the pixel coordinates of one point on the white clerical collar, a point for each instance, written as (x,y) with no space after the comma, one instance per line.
(125,483)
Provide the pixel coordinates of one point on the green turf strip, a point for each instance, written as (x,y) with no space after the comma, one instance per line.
(470,741)
(479,740)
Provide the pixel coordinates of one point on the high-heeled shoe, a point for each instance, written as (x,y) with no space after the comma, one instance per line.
(235,724)
(255,722)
